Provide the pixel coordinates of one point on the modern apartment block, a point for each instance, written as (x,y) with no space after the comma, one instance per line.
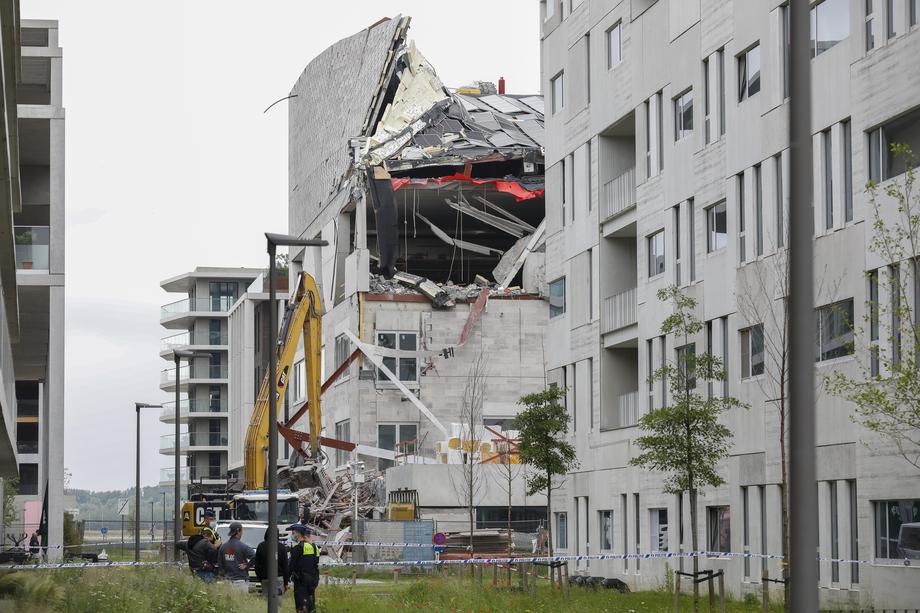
(38,229)
(200,323)
(667,164)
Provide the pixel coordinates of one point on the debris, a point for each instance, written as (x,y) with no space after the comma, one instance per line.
(439,298)
(481,281)
(457,293)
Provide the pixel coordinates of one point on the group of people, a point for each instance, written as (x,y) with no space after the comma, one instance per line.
(209,558)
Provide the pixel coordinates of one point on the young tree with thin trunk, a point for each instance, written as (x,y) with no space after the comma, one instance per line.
(543,425)
(685,439)
(506,477)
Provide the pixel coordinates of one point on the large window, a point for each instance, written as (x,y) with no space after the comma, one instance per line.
(828,172)
(778,200)
(654,135)
(830,24)
(870,18)
(562,531)
(28,479)
(658,529)
(557,297)
(27,436)
(752,354)
(223,295)
(683,115)
(656,253)
(758,210)
(716,227)
(406,368)
(398,438)
(835,330)
(873,322)
(605,526)
(557,87)
(883,164)
(847,170)
(890,540)
(342,433)
(749,73)
(342,351)
(615,44)
(719,529)
(742,235)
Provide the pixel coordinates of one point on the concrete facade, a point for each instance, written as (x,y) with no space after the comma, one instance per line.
(204,381)
(626,159)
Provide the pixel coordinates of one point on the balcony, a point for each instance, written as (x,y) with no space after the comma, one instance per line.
(195,407)
(210,475)
(32,247)
(620,311)
(619,194)
(191,375)
(192,341)
(192,441)
(179,314)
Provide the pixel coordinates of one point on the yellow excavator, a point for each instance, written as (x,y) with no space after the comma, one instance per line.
(302,316)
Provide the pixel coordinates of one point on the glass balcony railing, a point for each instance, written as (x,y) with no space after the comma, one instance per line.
(185,339)
(191,473)
(215,304)
(167,475)
(194,406)
(194,439)
(32,247)
(209,371)
(168,375)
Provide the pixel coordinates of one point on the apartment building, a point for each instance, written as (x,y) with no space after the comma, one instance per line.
(199,323)
(667,164)
(38,228)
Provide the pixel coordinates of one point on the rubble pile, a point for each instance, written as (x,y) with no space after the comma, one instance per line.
(455,293)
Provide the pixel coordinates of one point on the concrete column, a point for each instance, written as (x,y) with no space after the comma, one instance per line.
(55,419)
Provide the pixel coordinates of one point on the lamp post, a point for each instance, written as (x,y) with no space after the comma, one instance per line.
(275,240)
(178,355)
(137,483)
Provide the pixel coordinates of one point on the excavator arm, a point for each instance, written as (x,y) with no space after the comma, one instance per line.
(303,316)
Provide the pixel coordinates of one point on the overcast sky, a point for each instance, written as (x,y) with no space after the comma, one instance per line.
(171,164)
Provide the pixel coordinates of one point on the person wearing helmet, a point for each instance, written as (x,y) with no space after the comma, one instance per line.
(202,555)
(304,568)
(234,557)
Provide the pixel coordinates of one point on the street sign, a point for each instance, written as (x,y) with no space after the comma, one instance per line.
(439,539)
(103,530)
(440,549)
(123,504)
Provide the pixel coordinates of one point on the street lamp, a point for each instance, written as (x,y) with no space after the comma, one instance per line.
(274,240)
(178,355)
(137,484)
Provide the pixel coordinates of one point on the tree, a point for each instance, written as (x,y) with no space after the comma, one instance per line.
(10,490)
(886,392)
(686,440)
(543,424)
(509,472)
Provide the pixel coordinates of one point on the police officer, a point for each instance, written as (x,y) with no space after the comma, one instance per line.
(304,567)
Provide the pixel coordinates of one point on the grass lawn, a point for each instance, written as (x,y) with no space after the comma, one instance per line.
(165,590)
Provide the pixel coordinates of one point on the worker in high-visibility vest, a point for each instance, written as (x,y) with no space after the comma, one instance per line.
(303,565)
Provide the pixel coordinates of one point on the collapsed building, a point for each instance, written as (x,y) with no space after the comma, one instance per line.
(431,201)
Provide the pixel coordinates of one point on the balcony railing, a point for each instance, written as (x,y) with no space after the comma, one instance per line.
(619,193)
(185,339)
(620,311)
(32,247)
(167,475)
(215,304)
(194,406)
(628,409)
(168,375)
(194,439)
(191,473)
(210,371)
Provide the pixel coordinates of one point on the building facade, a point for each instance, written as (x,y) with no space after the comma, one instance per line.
(200,322)
(38,355)
(667,164)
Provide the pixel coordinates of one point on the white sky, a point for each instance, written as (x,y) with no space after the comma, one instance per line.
(171,164)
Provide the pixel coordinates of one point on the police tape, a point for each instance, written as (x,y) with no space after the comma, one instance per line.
(713,555)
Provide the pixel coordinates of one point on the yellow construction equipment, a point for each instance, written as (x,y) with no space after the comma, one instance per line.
(303,315)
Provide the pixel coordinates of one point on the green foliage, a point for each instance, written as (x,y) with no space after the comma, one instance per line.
(71,533)
(543,425)
(888,403)
(10,489)
(686,440)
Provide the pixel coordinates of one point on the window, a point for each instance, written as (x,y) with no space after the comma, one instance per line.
(654,135)
(707,103)
(676,216)
(847,170)
(587,43)
(870,36)
(835,532)
(27,436)
(562,531)
(883,164)
(605,526)
(723,328)
(894,277)
(214,336)
(716,227)
(873,321)
(719,525)
(912,12)
(650,373)
(658,529)
(854,533)
(342,433)
(686,365)
(406,368)
(752,352)
(663,357)
(550,8)
(214,467)
(780,209)
(835,330)
(739,179)
(720,54)
(656,253)
(223,295)
(889,19)
(342,352)
(28,479)
(557,297)
(638,529)
(830,24)
(746,529)
(615,44)
(889,516)
(214,368)
(758,210)
(828,166)
(749,73)
(683,115)
(557,87)
(691,231)
(787,37)
(709,349)
(389,436)
(214,403)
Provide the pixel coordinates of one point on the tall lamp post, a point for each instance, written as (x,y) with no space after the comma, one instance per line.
(275,240)
(178,356)
(137,483)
